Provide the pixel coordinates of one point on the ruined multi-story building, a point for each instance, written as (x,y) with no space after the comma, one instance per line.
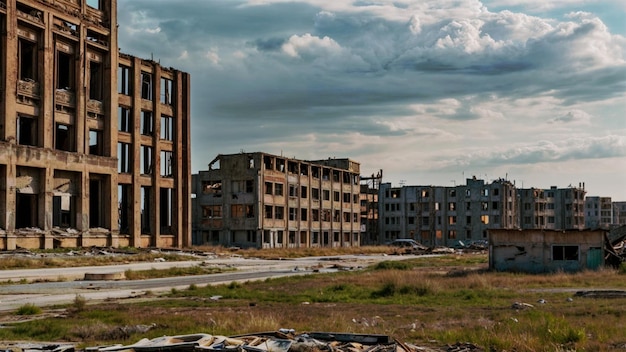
(598,212)
(553,208)
(619,213)
(94,144)
(260,200)
(437,215)
(370,186)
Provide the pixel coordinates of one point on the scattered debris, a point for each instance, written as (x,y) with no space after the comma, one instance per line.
(283,340)
(521,305)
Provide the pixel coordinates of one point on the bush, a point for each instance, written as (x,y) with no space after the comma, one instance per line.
(28,309)
(79,303)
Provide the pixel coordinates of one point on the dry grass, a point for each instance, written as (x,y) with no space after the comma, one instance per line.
(445,302)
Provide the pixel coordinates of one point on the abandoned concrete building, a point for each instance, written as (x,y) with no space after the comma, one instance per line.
(598,212)
(94,144)
(259,200)
(442,216)
(541,250)
(553,208)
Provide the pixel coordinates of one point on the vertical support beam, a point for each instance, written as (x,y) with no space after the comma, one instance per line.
(8,104)
(135,229)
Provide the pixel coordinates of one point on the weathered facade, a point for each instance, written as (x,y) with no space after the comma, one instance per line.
(598,212)
(553,208)
(437,215)
(538,251)
(264,201)
(94,144)
(370,186)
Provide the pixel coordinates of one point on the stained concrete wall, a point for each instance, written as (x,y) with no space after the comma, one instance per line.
(534,250)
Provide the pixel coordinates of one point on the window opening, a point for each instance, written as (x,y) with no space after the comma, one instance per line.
(167,128)
(124,122)
(147,126)
(166,163)
(166,200)
(27,130)
(166,91)
(62,211)
(564,252)
(26,205)
(65,70)
(64,137)
(124,208)
(146,209)
(96,80)
(123,80)
(96,146)
(146,160)
(27,51)
(146,85)
(97,203)
(124,158)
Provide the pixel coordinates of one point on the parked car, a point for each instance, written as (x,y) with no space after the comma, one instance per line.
(407,243)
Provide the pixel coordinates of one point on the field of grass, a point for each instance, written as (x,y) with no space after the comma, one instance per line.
(426,302)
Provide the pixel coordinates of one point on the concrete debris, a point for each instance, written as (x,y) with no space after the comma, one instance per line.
(521,305)
(283,340)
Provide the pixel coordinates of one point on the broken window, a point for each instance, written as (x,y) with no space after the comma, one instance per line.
(346,216)
(326,215)
(96,143)
(280,165)
(269,211)
(97,201)
(124,80)
(335,175)
(452,206)
(124,164)
(336,216)
(28,58)
(335,196)
(96,81)
(147,123)
(64,137)
(315,214)
(212,187)
(564,252)
(212,211)
(280,213)
(166,163)
(326,194)
(346,197)
(146,209)
(304,192)
(315,193)
(452,234)
(484,219)
(124,119)
(65,66)
(146,85)
(315,171)
(146,160)
(27,206)
(292,167)
(484,205)
(293,214)
(325,174)
(268,188)
(62,211)
(268,162)
(167,90)
(166,207)
(293,191)
(249,186)
(452,220)
(27,130)
(304,214)
(250,211)
(167,128)
(124,207)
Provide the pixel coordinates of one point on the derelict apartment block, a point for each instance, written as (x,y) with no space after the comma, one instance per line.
(553,208)
(94,145)
(261,200)
(437,215)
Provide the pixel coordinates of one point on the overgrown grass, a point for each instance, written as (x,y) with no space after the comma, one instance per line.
(448,302)
(172,272)
(28,309)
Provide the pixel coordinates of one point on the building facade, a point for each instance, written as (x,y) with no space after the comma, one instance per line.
(437,215)
(553,208)
(619,213)
(260,200)
(94,144)
(598,212)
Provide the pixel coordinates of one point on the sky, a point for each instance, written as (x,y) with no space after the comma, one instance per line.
(430,91)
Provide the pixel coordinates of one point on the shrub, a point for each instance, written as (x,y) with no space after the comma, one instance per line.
(79,303)
(28,309)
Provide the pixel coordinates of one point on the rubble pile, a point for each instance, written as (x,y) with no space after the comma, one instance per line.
(283,340)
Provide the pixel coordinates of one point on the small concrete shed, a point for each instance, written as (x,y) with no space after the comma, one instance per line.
(539,251)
